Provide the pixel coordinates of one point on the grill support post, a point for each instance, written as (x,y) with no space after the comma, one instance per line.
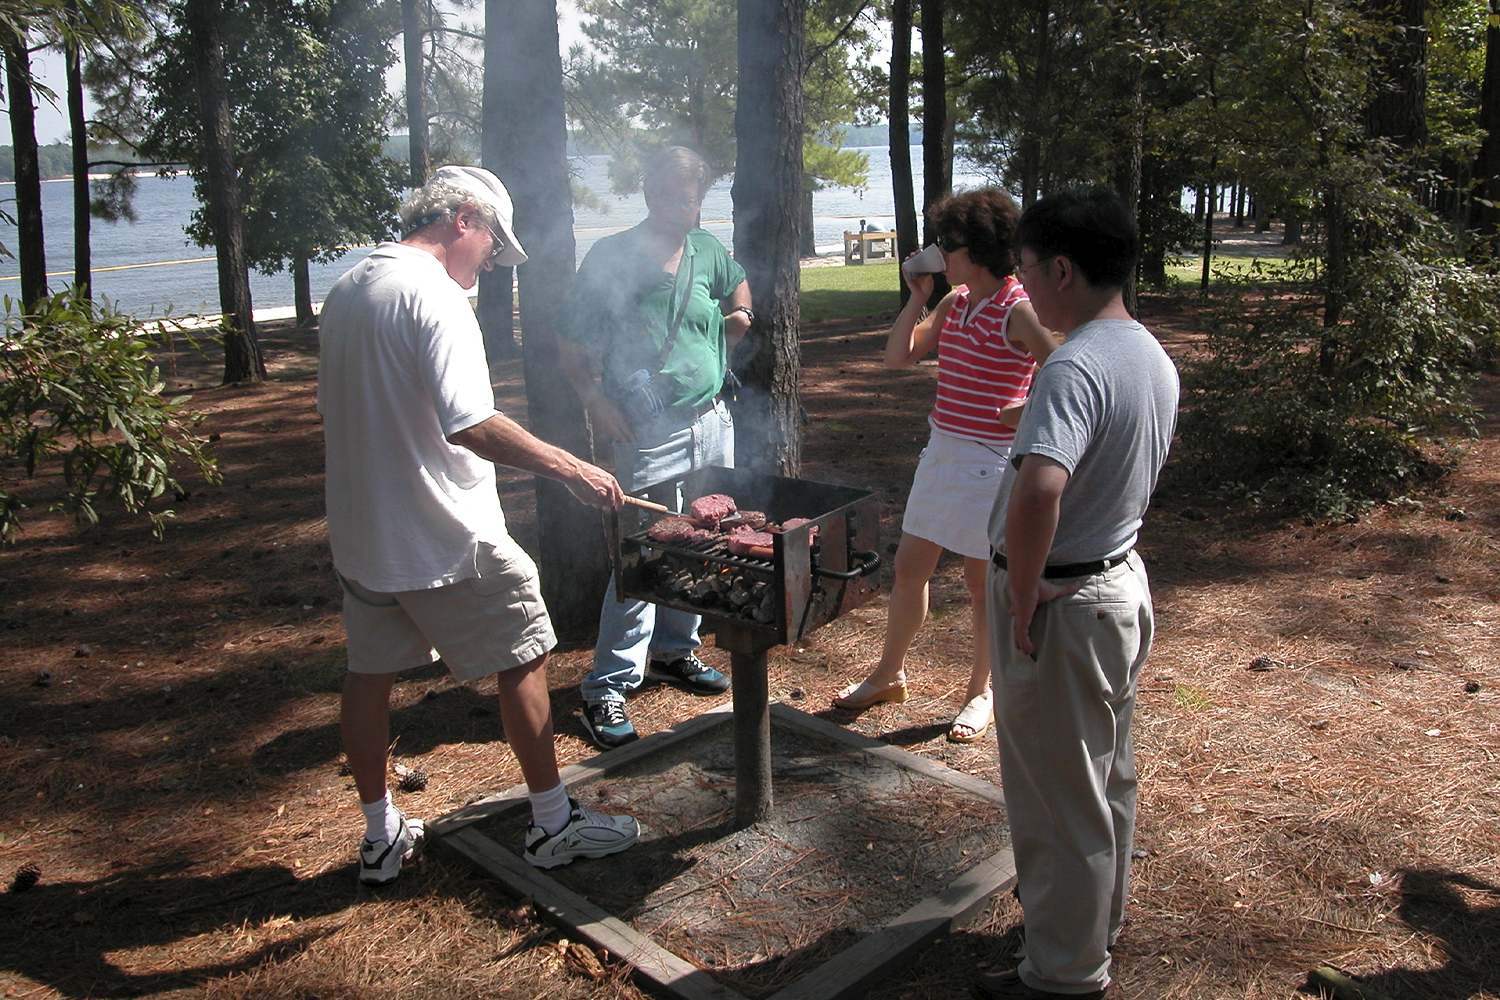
(752,722)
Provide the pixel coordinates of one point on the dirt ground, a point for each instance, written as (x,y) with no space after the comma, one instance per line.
(1318,734)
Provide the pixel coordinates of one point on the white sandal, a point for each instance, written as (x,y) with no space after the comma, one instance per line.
(975,717)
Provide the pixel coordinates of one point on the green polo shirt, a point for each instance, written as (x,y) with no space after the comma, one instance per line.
(621,306)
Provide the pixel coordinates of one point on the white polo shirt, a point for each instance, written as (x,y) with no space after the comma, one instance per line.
(402,366)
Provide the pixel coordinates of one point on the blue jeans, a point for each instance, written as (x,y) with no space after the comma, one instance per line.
(629,631)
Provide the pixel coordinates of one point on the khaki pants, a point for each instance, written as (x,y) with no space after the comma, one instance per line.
(1068,767)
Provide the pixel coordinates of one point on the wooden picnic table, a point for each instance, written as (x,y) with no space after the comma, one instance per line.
(862,246)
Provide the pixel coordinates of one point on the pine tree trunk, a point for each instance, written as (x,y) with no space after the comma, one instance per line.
(31,252)
(900,137)
(496,308)
(302,291)
(78,124)
(242,357)
(1397,111)
(936,158)
(809,247)
(937,166)
(937,169)
(1130,150)
(1030,147)
(416,97)
(1208,232)
(525,143)
(1485,218)
(768,124)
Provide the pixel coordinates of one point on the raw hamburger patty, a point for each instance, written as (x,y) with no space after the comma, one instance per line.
(797,522)
(672,529)
(742,541)
(713,508)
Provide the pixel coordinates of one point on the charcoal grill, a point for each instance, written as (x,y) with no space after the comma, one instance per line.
(816,572)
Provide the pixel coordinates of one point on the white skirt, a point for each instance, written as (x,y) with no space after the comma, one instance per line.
(953,492)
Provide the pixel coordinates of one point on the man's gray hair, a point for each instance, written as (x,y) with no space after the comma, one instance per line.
(439,201)
(675,163)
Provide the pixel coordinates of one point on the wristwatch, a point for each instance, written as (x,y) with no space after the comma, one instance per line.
(749,313)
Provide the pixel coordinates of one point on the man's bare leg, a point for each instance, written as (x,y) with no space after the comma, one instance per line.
(526,711)
(364,725)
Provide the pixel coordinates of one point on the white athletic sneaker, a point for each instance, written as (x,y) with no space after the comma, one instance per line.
(589,834)
(380,862)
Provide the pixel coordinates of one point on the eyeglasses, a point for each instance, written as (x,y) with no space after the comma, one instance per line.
(1021,271)
(497,244)
(948,244)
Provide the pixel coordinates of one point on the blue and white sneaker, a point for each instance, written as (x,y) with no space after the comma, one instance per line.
(380,861)
(589,834)
(607,725)
(689,673)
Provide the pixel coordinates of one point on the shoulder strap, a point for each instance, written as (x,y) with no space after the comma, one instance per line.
(687,293)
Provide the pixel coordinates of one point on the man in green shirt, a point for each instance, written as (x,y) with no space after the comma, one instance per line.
(648,327)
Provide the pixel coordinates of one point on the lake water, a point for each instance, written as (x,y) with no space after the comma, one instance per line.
(149,265)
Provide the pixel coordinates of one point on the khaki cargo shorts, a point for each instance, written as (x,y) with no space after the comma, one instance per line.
(478,627)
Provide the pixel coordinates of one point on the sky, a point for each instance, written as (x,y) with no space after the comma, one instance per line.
(50,69)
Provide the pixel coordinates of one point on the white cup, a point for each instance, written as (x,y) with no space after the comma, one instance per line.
(929,261)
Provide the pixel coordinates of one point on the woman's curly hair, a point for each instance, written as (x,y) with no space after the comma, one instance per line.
(984,221)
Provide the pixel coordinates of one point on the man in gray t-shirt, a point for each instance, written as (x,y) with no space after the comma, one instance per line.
(1070,607)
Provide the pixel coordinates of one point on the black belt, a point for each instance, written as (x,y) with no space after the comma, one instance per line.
(1070,569)
(685,415)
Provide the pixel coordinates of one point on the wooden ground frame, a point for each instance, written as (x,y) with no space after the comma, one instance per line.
(845,975)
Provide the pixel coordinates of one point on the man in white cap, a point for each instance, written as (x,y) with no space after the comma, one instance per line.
(414,520)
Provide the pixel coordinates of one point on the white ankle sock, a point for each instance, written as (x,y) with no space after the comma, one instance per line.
(382,820)
(550,809)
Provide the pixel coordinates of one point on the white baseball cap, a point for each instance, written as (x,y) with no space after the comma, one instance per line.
(490,193)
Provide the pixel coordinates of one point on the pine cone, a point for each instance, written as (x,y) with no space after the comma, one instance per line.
(26,876)
(414,781)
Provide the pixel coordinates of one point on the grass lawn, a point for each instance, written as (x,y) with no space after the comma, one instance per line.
(871,289)
(848,292)
(1226,266)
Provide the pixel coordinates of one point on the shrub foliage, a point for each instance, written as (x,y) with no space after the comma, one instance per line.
(1325,418)
(80,389)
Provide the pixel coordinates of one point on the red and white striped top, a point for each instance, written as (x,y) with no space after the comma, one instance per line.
(979,370)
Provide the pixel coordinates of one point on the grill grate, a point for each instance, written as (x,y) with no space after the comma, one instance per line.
(818,570)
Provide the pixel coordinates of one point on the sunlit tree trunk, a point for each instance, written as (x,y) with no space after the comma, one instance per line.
(242,357)
(937,165)
(79,126)
(30,250)
(416,96)
(900,136)
(937,160)
(767,191)
(525,144)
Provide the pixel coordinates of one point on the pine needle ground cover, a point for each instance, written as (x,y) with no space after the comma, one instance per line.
(1318,733)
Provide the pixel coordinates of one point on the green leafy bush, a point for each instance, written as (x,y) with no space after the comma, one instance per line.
(1324,420)
(80,387)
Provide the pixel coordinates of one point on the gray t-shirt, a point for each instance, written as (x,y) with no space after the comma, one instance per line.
(1104,406)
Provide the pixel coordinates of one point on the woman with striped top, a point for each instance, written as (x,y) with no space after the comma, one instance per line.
(988,342)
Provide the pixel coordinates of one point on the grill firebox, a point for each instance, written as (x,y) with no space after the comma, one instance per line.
(816,572)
